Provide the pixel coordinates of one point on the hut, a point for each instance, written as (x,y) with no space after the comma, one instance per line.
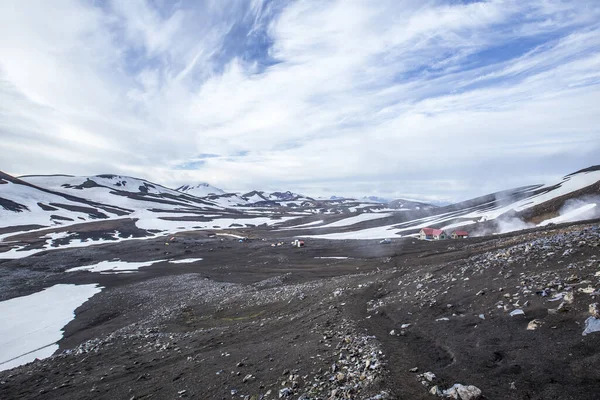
(459,235)
(432,234)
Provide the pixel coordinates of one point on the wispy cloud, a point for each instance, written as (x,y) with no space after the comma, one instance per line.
(435,99)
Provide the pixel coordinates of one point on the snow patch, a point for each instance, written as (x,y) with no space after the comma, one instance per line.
(31,325)
(355,220)
(185,261)
(573,214)
(117,266)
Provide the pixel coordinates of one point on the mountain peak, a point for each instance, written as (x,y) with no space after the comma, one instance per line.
(201,189)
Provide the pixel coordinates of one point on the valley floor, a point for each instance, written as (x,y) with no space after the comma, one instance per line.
(348,319)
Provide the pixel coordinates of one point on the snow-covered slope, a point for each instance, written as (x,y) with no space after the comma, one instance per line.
(200,190)
(123,191)
(499,212)
(61,199)
(284,199)
(26,204)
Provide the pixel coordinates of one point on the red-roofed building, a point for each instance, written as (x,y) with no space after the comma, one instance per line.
(460,235)
(432,234)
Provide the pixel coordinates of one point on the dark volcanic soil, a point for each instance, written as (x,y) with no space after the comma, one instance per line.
(253,321)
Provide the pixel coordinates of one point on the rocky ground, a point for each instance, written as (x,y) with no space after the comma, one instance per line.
(500,317)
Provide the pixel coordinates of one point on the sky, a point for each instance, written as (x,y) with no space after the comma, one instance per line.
(433,100)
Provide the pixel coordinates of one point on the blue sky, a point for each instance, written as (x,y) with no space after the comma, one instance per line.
(440,100)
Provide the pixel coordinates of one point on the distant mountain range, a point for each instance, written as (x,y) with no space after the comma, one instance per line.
(34,201)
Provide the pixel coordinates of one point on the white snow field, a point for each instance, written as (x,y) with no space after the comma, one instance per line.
(379,232)
(308,224)
(220,223)
(355,220)
(572,215)
(116,266)
(332,258)
(17,252)
(185,261)
(31,325)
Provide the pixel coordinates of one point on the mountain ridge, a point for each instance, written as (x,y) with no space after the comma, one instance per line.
(50,200)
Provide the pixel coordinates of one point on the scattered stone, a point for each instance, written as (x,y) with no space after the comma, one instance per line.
(591,325)
(462,392)
(568,298)
(518,311)
(430,376)
(415,369)
(534,324)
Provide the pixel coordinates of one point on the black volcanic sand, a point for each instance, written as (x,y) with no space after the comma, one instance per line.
(250,320)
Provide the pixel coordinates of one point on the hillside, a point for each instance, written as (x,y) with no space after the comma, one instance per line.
(63,203)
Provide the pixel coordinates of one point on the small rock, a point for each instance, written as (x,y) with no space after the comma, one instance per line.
(285,392)
(247,378)
(534,324)
(415,369)
(518,311)
(591,325)
(462,392)
(392,332)
(568,297)
(430,376)
(594,310)
(435,390)
(469,392)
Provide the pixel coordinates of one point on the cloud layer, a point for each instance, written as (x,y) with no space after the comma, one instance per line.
(422,99)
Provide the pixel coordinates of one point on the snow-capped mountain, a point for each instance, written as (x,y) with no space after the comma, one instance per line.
(286,199)
(200,190)
(574,197)
(24,203)
(65,200)
(403,204)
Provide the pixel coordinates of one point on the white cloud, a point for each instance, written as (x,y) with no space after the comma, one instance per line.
(433,100)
